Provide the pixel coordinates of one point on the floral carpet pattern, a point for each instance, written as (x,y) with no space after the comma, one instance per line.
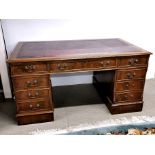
(134,131)
(128,129)
(139,125)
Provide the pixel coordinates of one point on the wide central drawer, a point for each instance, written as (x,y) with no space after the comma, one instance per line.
(130,74)
(71,65)
(29,82)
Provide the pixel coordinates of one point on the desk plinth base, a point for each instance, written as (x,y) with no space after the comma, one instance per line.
(39,117)
(116,108)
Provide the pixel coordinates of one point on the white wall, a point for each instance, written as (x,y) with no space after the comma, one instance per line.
(139,31)
(3,68)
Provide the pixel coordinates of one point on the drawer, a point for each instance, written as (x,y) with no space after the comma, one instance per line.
(32,94)
(133,61)
(30,82)
(82,64)
(129,85)
(101,63)
(65,66)
(35,105)
(129,97)
(29,68)
(130,74)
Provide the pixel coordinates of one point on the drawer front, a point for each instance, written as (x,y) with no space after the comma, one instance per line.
(130,85)
(29,68)
(21,83)
(82,64)
(65,66)
(101,63)
(128,97)
(130,74)
(133,61)
(32,94)
(35,105)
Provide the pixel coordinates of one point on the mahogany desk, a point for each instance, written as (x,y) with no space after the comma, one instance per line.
(119,74)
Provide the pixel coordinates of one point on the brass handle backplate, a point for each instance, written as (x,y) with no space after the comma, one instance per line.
(127,85)
(131,75)
(62,66)
(133,61)
(35,107)
(33,83)
(29,68)
(104,63)
(33,96)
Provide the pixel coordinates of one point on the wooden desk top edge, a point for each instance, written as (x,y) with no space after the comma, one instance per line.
(14,55)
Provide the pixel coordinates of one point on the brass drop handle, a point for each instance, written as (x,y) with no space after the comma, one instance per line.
(131,75)
(107,62)
(133,61)
(33,96)
(32,83)
(129,84)
(37,106)
(29,68)
(62,66)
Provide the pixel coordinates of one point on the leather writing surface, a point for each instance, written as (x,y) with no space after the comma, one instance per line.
(75,48)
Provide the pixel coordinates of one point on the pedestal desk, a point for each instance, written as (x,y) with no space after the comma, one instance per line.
(119,70)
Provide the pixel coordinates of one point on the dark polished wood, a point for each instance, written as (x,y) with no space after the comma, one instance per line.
(82,65)
(30,82)
(31,68)
(32,94)
(129,85)
(119,74)
(130,74)
(35,118)
(33,105)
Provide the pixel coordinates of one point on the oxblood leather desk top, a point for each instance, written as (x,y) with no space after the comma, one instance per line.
(73,49)
(119,70)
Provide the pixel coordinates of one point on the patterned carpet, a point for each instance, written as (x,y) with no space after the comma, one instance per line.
(131,129)
(137,125)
